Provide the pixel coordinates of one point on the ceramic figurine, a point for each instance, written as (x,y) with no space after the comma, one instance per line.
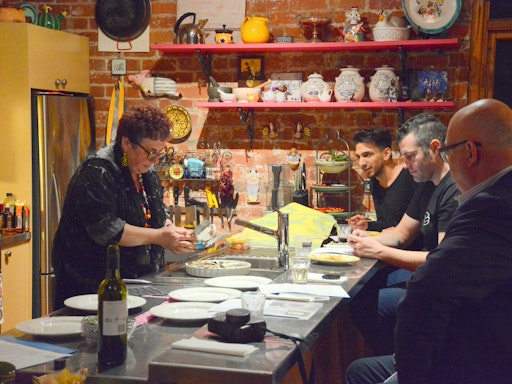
(293,159)
(354,29)
(154,86)
(49,21)
(253,185)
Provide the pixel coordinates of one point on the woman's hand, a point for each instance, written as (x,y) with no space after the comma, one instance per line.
(358,222)
(178,239)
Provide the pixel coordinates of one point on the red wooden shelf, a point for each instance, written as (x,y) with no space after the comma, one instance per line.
(409,45)
(332,105)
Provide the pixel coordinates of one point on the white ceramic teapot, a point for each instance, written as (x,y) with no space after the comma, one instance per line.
(313,88)
(381,82)
(349,85)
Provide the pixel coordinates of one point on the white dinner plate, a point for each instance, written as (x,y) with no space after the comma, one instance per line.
(237,282)
(52,326)
(432,17)
(205,294)
(90,302)
(186,311)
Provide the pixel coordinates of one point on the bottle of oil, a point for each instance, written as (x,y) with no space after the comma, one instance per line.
(112,314)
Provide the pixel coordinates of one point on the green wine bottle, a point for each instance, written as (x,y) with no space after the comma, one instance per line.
(112,314)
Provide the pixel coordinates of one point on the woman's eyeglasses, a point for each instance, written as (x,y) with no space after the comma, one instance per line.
(152,155)
(444,151)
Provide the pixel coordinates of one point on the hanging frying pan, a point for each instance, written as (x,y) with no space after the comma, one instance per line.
(122,20)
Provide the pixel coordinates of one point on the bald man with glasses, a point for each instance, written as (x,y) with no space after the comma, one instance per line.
(454,324)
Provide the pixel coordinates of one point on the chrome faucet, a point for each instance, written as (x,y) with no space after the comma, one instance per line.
(281,234)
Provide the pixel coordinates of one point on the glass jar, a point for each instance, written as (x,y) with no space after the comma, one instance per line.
(7,373)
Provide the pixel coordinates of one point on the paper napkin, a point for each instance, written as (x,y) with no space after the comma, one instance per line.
(213,346)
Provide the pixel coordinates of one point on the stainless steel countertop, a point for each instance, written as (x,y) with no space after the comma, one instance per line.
(150,358)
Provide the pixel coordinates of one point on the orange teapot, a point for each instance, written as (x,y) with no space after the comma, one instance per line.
(255,30)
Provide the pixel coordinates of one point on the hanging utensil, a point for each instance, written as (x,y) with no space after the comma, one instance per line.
(276,171)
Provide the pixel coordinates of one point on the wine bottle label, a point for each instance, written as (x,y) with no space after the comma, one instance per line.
(115,315)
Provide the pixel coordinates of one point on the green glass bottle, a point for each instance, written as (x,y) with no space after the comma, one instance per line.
(112,314)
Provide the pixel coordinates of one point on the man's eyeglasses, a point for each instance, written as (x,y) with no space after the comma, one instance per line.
(152,155)
(444,151)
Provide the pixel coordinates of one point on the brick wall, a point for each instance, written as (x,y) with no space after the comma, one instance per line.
(225,126)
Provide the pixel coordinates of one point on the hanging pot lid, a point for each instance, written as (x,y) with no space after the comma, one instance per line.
(123,20)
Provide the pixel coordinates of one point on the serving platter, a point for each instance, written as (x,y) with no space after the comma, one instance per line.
(204,294)
(90,302)
(184,311)
(180,119)
(238,282)
(431,17)
(52,326)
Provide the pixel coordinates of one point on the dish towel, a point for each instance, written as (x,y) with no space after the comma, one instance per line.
(212,346)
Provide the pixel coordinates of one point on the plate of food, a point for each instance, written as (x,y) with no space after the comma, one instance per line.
(90,302)
(333,258)
(52,326)
(238,282)
(185,311)
(214,268)
(204,294)
(431,17)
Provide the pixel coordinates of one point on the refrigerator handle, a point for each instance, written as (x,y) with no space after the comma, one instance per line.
(57,197)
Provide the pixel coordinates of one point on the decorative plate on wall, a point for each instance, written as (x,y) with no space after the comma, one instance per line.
(180,119)
(430,16)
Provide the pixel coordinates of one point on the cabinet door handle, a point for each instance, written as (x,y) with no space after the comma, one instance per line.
(8,253)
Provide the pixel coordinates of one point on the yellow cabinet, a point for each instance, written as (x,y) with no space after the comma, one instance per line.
(45,59)
(32,57)
(17,284)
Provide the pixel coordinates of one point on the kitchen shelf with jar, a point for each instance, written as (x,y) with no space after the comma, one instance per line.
(328,172)
(331,105)
(364,46)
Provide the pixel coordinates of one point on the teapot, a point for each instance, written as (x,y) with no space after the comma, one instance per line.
(255,30)
(49,21)
(191,33)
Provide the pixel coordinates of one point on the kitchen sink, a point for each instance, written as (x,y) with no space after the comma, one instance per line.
(264,262)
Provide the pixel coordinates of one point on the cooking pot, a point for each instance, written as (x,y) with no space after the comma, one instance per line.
(191,33)
(123,20)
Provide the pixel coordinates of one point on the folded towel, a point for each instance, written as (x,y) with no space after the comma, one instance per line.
(212,346)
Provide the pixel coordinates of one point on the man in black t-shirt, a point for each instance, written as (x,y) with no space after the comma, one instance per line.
(429,213)
(391,184)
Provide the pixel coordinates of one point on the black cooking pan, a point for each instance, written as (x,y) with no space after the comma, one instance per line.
(123,20)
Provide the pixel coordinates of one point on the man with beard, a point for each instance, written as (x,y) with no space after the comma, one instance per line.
(428,215)
(391,184)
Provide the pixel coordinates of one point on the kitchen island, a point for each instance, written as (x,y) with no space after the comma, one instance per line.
(151,359)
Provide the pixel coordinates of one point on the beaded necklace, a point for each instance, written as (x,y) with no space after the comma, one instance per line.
(145,203)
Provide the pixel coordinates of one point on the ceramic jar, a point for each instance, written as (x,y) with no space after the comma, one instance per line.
(349,85)
(255,30)
(224,36)
(313,88)
(381,82)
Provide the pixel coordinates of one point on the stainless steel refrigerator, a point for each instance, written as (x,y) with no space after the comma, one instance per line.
(63,133)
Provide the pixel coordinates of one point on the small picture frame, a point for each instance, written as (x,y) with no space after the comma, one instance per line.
(432,85)
(251,70)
